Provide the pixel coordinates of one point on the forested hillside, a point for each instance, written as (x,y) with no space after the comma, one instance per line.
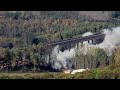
(23,34)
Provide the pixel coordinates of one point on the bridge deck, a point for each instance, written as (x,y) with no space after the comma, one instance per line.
(76,40)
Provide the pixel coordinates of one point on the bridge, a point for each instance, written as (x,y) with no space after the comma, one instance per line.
(67,44)
(78,40)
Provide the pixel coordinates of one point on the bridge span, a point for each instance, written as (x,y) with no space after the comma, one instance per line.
(68,44)
(79,40)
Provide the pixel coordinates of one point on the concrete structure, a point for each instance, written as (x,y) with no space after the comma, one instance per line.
(67,44)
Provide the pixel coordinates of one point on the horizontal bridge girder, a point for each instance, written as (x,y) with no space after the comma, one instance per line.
(76,40)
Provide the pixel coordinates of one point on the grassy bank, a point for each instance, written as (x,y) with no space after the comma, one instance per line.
(110,72)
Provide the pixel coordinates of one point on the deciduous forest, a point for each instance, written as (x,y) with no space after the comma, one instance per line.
(24,34)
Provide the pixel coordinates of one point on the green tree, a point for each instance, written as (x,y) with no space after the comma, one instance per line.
(8,56)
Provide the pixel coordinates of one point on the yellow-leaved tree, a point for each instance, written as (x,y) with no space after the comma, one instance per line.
(117,55)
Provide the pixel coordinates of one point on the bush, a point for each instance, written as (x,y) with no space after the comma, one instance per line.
(47,76)
(4,77)
(102,74)
(17,77)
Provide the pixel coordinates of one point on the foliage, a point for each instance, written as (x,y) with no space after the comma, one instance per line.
(24,35)
(92,58)
(100,73)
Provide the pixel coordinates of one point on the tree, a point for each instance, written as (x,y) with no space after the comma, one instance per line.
(115,14)
(33,59)
(14,15)
(117,56)
(16,57)
(8,45)
(35,41)
(100,57)
(8,56)
(57,37)
(67,34)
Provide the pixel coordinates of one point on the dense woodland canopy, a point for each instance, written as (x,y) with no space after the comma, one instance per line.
(23,34)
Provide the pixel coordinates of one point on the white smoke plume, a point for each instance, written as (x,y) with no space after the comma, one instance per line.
(111,40)
(87,34)
(61,59)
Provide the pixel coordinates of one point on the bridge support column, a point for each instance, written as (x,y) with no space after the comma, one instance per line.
(94,42)
(58,51)
(69,47)
(81,44)
(66,47)
(77,45)
(62,48)
(88,42)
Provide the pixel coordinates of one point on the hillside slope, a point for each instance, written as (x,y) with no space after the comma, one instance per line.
(96,15)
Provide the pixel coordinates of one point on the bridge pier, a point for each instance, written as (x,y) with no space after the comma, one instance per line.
(69,47)
(81,44)
(77,45)
(93,42)
(88,42)
(58,51)
(62,48)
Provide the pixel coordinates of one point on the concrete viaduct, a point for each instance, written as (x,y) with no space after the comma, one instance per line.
(67,44)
